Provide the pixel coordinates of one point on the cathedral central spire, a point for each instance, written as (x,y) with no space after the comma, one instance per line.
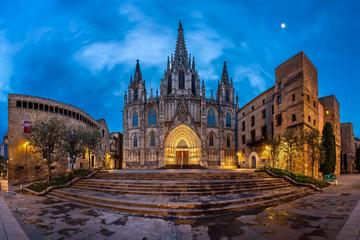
(181,54)
(224,75)
(137,75)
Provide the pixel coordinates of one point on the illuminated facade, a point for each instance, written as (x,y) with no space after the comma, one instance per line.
(24,165)
(181,126)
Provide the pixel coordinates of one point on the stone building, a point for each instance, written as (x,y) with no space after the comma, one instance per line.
(181,126)
(347,148)
(116,151)
(23,111)
(292,103)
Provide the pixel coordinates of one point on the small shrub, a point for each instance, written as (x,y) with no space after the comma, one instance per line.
(298,178)
(59,180)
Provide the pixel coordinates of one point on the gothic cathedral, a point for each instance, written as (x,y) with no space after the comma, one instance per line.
(181,127)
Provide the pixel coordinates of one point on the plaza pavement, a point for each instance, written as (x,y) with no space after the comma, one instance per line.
(323,215)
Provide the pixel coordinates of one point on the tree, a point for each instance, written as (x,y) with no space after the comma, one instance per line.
(313,141)
(91,139)
(292,143)
(357,160)
(275,149)
(2,164)
(46,139)
(73,143)
(328,144)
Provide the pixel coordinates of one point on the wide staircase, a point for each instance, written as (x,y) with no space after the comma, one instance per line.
(182,193)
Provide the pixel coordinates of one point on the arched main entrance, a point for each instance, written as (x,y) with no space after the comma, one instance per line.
(182,147)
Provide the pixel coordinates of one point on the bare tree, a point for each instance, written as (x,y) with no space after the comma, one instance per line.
(91,139)
(73,143)
(292,143)
(275,149)
(46,138)
(313,140)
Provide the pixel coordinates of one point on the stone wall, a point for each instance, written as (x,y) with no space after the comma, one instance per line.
(23,111)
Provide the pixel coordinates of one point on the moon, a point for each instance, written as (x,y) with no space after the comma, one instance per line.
(283,25)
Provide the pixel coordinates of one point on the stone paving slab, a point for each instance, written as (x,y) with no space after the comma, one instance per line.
(9,227)
(351,229)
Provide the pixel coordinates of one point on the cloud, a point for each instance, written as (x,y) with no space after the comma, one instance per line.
(148,41)
(6,69)
(255,75)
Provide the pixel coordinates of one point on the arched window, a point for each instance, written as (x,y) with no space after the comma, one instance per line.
(211,140)
(135,141)
(227,95)
(181,80)
(193,91)
(152,116)
(228,142)
(293,118)
(135,94)
(169,85)
(135,119)
(211,118)
(228,120)
(152,139)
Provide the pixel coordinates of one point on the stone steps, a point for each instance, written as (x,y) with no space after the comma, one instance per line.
(180,190)
(182,194)
(185,209)
(177,176)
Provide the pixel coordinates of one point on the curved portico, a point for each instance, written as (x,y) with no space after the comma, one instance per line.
(182,146)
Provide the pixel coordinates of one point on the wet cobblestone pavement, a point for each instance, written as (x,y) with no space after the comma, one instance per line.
(318,216)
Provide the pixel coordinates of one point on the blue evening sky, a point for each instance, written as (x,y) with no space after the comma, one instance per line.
(83,52)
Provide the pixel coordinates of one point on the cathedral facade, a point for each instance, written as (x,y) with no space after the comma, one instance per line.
(180,126)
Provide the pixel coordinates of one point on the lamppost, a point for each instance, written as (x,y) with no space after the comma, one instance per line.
(267,149)
(26,147)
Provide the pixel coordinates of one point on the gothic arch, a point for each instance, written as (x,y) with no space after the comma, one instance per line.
(187,137)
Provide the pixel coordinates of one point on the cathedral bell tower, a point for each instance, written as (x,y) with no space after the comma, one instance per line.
(137,89)
(181,77)
(225,91)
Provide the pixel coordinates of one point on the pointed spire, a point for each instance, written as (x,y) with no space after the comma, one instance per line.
(181,56)
(193,64)
(137,76)
(224,75)
(131,80)
(237,100)
(151,92)
(157,93)
(212,94)
(231,81)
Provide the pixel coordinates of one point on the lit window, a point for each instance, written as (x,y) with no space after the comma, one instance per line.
(327,112)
